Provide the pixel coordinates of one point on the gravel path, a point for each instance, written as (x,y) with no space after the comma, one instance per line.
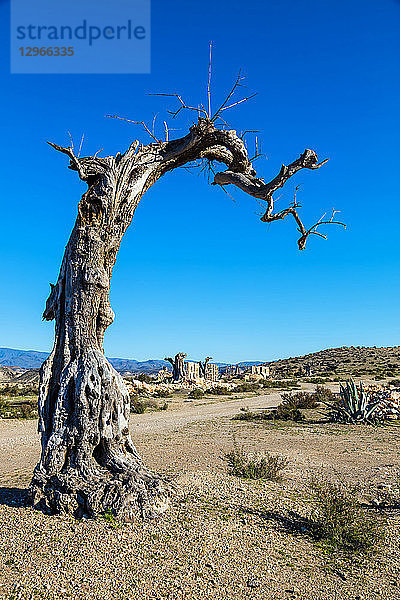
(20,442)
(197,412)
(18,433)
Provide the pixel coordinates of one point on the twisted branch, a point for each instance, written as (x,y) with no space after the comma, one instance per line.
(206,142)
(69,151)
(264,191)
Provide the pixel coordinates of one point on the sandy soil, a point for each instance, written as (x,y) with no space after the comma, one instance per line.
(222,537)
(20,443)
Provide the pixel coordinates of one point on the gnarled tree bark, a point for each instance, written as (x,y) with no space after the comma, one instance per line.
(203,366)
(88,463)
(178,366)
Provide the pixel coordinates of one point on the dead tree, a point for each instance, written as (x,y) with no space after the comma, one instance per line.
(88,463)
(178,366)
(203,366)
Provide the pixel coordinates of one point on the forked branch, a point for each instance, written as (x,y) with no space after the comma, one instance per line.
(225,105)
(69,151)
(151,133)
(264,191)
(200,110)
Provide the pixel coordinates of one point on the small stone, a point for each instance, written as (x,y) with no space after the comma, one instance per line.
(253,583)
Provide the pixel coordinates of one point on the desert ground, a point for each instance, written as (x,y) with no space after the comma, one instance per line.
(222,537)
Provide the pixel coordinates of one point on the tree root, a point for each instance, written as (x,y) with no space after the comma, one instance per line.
(127,496)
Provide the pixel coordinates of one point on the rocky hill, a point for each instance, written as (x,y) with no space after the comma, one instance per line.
(28,377)
(334,362)
(7,374)
(358,361)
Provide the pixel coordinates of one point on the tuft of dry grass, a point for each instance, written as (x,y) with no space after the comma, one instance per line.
(255,466)
(339,521)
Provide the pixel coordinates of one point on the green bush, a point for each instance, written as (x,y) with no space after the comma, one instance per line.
(138,407)
(299,400)
(246,387)
(162,394)
(251,466)
(283,412)
(218,390)
(197,393)
(140,404)
(323,394)
(339,521)
(16,390)
(286,412)
(280,384)
(14,410)
(246,415)
(29,410)
(144,378)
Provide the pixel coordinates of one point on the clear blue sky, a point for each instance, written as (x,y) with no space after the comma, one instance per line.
(196,271)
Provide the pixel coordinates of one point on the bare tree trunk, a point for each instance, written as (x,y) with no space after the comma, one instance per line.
(203,366)
(178,366)
(88,463)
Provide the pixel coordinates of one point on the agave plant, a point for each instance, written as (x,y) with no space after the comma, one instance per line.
(354,406)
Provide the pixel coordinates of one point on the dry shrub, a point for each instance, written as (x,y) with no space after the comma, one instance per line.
(246,387)
(219,390)
(255,466)
(299,400)
(197,393)
(339,521)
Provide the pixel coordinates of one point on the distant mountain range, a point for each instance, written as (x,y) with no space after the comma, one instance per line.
(26,359)
(32,359)
(332,362)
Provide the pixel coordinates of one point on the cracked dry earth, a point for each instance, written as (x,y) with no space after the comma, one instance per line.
(222,538)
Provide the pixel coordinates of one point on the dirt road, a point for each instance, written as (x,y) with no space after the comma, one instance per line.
(20,442)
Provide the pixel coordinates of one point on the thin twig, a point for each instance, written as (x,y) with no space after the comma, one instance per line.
(238,102)
(226,192)
(80,145)
(135,123)
(209,83)
(71,140)
(153,125)
(229,96)
(183,104)
(69,151)
(248,131)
